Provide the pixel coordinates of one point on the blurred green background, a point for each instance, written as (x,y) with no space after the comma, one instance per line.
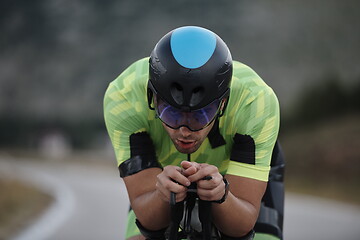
(57,58)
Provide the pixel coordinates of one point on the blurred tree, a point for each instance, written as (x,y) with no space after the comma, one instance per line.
(24,22)
(327,99)
(58,56)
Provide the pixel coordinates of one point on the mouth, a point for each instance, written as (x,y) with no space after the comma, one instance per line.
(185,144)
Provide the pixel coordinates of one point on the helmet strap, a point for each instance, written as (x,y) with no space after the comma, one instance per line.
(150,96)
(224,103)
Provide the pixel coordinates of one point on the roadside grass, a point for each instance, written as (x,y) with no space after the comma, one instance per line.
(20,204)
(324,159)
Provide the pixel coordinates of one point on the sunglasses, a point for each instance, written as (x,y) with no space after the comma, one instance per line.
(194,120)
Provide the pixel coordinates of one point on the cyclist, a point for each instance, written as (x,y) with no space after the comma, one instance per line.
(186,113)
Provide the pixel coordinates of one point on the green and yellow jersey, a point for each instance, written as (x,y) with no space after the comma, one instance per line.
(240,143)
(250,123)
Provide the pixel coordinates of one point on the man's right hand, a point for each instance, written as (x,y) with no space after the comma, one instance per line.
(171,179)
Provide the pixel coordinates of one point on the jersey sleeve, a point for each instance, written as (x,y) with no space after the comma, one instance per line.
(125,108)
(257,119)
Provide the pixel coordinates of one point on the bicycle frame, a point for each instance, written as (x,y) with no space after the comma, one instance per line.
(178,213)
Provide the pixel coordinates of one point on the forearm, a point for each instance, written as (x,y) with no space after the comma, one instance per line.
(152,212)
(151,199)
(234,217)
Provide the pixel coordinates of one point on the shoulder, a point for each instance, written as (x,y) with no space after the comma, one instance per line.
(251,100)
(125,98)
(247,86)
(245,77)
(131,84)
(136,73)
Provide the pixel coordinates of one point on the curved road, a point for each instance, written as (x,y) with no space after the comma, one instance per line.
(91,203)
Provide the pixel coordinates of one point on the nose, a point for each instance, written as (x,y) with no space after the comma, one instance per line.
(185,132)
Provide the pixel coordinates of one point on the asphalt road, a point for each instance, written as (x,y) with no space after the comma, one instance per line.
(91,203)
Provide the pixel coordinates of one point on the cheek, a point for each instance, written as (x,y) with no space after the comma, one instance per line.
(201,136)
(170,132)
(204,133)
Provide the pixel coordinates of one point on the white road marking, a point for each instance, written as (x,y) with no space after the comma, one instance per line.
(60,209)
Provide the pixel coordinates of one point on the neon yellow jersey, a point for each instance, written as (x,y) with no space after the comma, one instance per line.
(252,111)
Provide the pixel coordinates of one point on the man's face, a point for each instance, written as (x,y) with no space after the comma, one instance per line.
(187,141)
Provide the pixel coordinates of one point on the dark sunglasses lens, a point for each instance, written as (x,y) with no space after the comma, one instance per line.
(194,120)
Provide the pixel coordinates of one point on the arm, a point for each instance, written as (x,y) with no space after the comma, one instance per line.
(238,214)
(256,128)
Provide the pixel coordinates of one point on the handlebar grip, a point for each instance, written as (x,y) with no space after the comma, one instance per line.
(172,198)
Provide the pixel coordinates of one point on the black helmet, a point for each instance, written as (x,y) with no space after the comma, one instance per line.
(189,68)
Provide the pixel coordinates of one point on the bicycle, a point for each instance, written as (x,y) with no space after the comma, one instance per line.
(182,214)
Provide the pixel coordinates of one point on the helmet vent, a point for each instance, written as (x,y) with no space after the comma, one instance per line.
(177,93)
(196,96)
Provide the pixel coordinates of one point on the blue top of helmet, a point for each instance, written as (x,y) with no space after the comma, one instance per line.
(192,46)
